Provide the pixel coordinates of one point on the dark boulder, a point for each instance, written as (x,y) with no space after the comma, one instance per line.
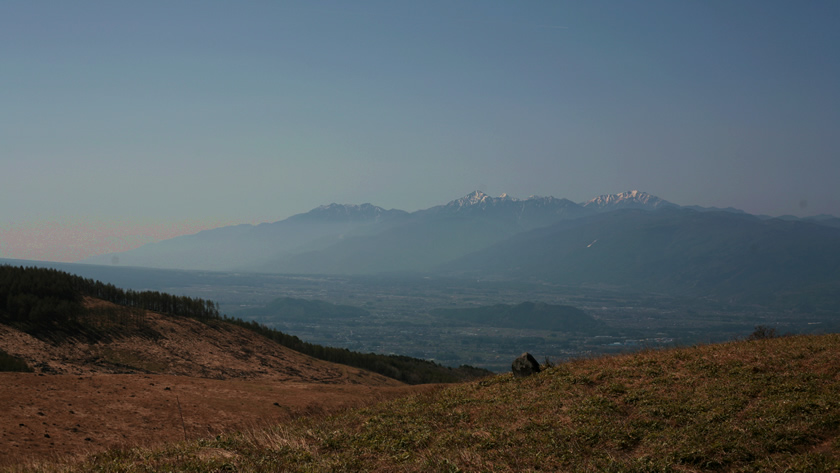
(525,365)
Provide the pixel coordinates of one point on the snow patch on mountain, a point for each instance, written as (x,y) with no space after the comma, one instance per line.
(630,199)
(478,198)
(481,199)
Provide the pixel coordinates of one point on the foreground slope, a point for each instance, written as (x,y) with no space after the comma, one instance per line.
(757,405)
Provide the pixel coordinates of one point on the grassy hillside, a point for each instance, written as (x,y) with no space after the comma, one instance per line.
(55,308)
(759,405)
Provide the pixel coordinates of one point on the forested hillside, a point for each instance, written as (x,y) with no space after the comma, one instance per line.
(48,303)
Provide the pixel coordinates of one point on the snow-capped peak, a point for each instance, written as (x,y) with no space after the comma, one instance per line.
(629,199)
(480,198)
(473,198)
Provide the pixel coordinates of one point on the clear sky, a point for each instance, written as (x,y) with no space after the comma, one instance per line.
(125,122)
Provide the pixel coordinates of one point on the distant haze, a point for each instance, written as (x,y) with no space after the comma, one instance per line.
(124,123)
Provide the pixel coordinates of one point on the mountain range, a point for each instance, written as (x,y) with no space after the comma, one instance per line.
(629,240)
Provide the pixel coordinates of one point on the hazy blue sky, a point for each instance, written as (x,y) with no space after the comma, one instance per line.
(122,122)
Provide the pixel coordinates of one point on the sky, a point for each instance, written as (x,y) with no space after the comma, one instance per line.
(123,123)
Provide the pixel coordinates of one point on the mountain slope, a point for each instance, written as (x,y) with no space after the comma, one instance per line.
(677,250)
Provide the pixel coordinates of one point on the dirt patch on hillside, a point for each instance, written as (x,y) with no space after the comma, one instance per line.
(53,417)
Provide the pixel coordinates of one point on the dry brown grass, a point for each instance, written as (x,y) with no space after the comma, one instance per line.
(762,405)
(49,417)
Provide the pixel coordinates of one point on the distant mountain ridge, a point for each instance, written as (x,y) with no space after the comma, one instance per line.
(278,246)
(479,204)
(348,213)
(627,200)
(631,239)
